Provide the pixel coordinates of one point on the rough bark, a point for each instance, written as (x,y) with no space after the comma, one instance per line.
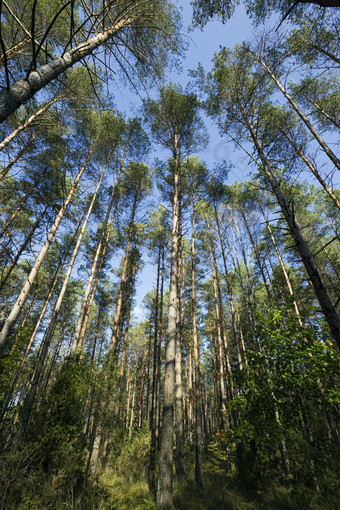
(164,498)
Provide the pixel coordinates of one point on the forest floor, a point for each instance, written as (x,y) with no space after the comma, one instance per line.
(220,492)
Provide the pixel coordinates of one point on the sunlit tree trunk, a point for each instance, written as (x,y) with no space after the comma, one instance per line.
(17,157)
(179,417)
(164,500)
(301,245)
(29,121)
(11,319)
(198,414)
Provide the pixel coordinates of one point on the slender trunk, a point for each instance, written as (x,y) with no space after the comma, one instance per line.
(301,245)
(285,274)
(256,252)
(85,310)
(153,414)
(36,377)
(17,157)
(302,116)
(179,419)
(133,401)
(230,295)
(117,318)
(319,108)
(11,319)
(22,248)
(198,445)
(21,205)
(314,171)
(59,301)
(141,393)
(335,3)
(221,354)
(29,121)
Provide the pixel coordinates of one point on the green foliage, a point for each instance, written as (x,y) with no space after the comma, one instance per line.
(259,10)
(48,471)
(292,374)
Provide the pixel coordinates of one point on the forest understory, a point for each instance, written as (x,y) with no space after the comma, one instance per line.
(219,387)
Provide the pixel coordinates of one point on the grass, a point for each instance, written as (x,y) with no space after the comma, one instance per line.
(220,492)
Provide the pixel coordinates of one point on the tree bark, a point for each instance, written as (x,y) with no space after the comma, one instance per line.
(25,88)
(179,418)
(164,498)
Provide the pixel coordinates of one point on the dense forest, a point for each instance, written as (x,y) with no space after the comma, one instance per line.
(225,393)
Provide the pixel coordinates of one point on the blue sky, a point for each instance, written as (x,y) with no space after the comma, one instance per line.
(202,46)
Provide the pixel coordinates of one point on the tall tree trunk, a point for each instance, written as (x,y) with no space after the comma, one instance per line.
(221,351)
(198,414)
(117,318)
(10,321)
(36,377)
(104,236)
(230,295)
(164,498)
(179,418)
(256,252)
(285,274)
(301,245)
(156,369)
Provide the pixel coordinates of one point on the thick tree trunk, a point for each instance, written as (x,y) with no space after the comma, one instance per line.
(164,498)
(25,88)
